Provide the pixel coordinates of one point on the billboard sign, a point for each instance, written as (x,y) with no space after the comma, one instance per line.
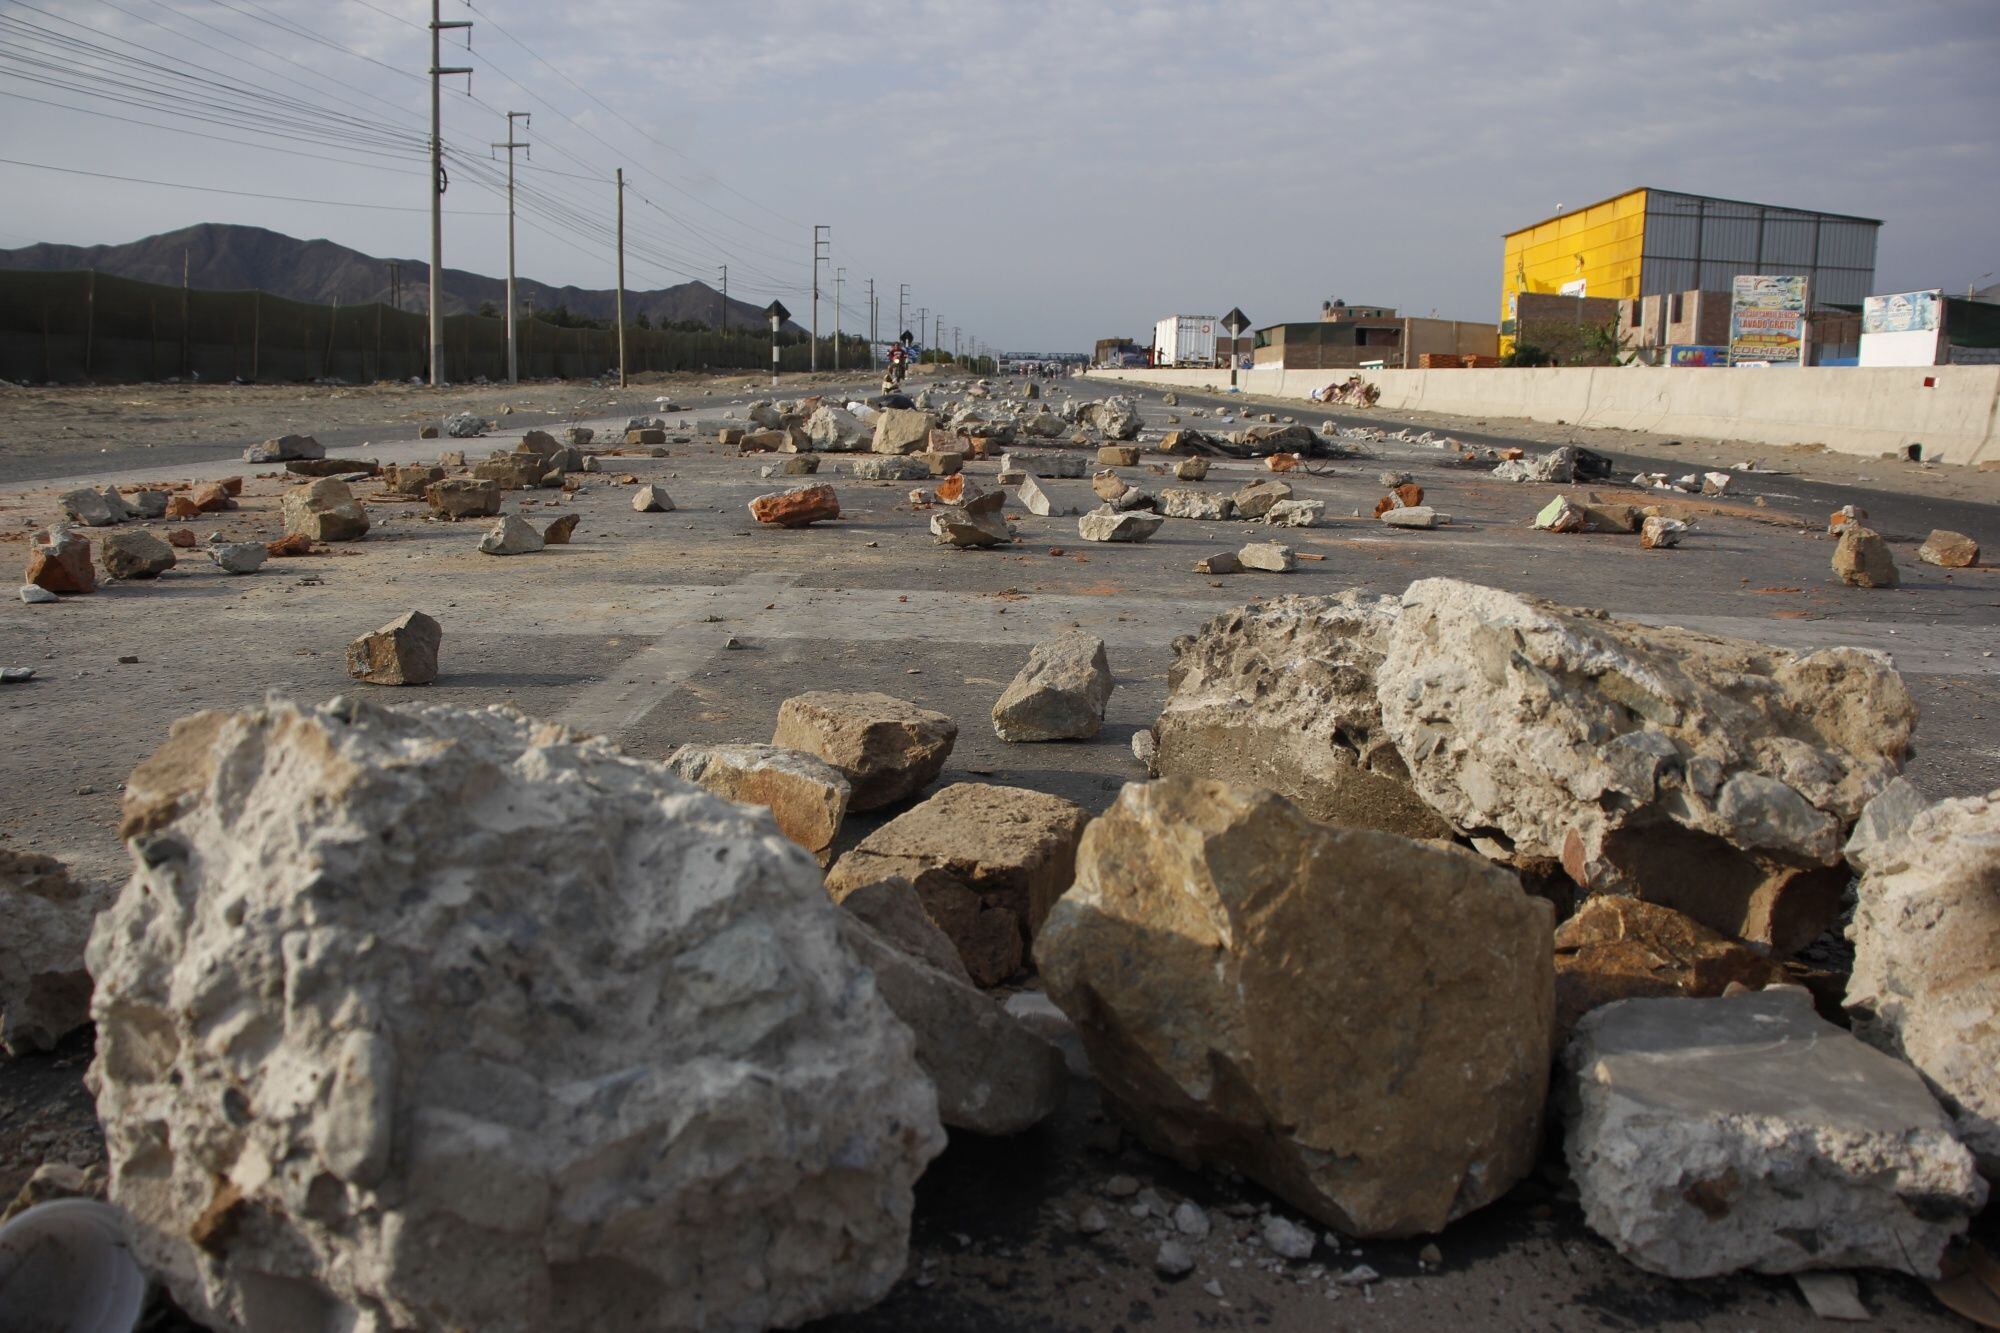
(1689,354)
(1905,312)
(1767,320)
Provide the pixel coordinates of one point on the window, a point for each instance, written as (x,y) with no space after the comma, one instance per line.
(1674,309)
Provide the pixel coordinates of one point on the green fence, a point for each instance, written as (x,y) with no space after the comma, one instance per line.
(79,326)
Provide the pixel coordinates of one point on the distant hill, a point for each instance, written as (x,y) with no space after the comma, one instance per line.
(224,257)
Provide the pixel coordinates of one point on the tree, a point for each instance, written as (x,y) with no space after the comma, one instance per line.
(487,310)
(644,320)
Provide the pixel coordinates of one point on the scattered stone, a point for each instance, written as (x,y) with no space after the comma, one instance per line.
(1711,775)
(238,557)
(987,862)
(324,511)
(890,467)
(902,430)
(1658,532)
(1179,502)
(797,507)
(1715,483)
(1281,462)
(93,509)
(464,498)
(1061,693)
(1108,485)
(1295,513)
(578,437)
(1118,455)
(971,526)
(648,437)
(1091,1221)
(402,652)
(1115,418)
(835,430)
(942,462)
(1100,526)
(427,432)
(1270,557)
(1191,1220)
(147,504)
(34,594)
(512,471)
(1421,517)
(887,748)
(45,921)
(993,1075)
(1040,498)
(648,1067)
(1951,550)
(1222,562)
(1926,979)
(1561,515)
(1559,466)
(1620,948)
(792,465)
(512,535)
(295,545)
(1862,560)
(284,449)
(136,554)
(1173,1259)
(59,561)
(1408,495)
(1191,469)
(182,539)
(1255,499)
(1713,1135)
(805,794)
(463,426)
(1213,927)
(1844,516)
(654,500)
(411,478)
(1286,1238)
(1283,696)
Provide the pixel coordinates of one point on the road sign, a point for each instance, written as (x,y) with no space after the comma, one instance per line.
(776,310)
(908,338)
(1235,321)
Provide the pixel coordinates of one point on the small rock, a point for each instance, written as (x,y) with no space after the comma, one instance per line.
(1844,516)
(807,796)
(1191,1220)
(652,500)
(94,509)
(1091,1221)
(1659,532)
(1119,455)
(1060,694)
(558,532)
(137,554)
(1295,513)
(1121,1187)
(33,594)
(1950,550)
(1862,560)
(1255,500)
(1361,1275)
(463,426)
(1099,526)
(59,561)
(886,747)
(464,497)
(1191,469)
(1559,515)
(1173,1259)
(1270,557)
(796,508)
(791,465)
(324,511)
(238,557)
(1286,1238)
(512,535)
(1222,562)
(284,449)
(402,652)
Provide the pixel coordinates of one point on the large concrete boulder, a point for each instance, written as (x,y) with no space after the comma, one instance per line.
(438,1018)
(1926,980)
(45,918)
(1716,776)
(1115,418)
(324,511)
(888,748)
(1281,695)
(1060,694)
(902,430)
(1711,1135)
(1358,1022)
(832,429)
(987,863)
(993,1075)
(136,554)
(1620,948)
(798,507)
(805,794)
(402,652)
(59,561)
(464,497)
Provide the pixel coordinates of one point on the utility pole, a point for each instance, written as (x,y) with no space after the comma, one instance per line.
(438,25)
(902,311)
(872,312)
(839,277)
(513,359)
(395,285)
(922,311)
(621,277)
(822,247)
(725,298)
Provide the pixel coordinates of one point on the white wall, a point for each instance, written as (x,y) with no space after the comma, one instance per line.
(1907,347)
(1856,410)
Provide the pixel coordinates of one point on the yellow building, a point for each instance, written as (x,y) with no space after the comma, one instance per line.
(1646,242)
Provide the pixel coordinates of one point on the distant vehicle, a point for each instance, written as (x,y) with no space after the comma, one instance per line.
(1185,340)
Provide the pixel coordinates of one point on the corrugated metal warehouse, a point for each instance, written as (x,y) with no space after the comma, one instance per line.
(1649,242)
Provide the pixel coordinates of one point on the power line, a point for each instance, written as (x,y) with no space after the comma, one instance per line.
(245,194)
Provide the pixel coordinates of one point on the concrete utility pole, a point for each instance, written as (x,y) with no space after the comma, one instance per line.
(513,361)
(902,308)
(437,189)
(395,285)
(621,277)
(922,311)
(822,247)
(725,298)
(872,312)
(839,276)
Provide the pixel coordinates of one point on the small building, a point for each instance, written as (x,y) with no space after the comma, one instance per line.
(1652,242)
(1929,329)
(1356,337)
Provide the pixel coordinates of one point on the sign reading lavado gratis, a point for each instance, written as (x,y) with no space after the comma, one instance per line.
(1767,320)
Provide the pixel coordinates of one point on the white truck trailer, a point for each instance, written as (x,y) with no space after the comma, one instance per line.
(1185,340)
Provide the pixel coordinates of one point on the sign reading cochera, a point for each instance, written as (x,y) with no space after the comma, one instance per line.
(1767,320)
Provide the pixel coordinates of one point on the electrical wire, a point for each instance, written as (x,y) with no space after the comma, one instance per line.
(245,194)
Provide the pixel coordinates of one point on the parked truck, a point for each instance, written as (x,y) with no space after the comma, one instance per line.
(1185,340)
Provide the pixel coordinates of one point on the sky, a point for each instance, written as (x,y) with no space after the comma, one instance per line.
(1040,174)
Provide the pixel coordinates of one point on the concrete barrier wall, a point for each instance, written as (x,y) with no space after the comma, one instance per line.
(1856,410)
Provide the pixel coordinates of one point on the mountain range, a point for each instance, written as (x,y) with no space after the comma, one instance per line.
(223,257)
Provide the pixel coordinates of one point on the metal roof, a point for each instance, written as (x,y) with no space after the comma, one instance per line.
(1712,198)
